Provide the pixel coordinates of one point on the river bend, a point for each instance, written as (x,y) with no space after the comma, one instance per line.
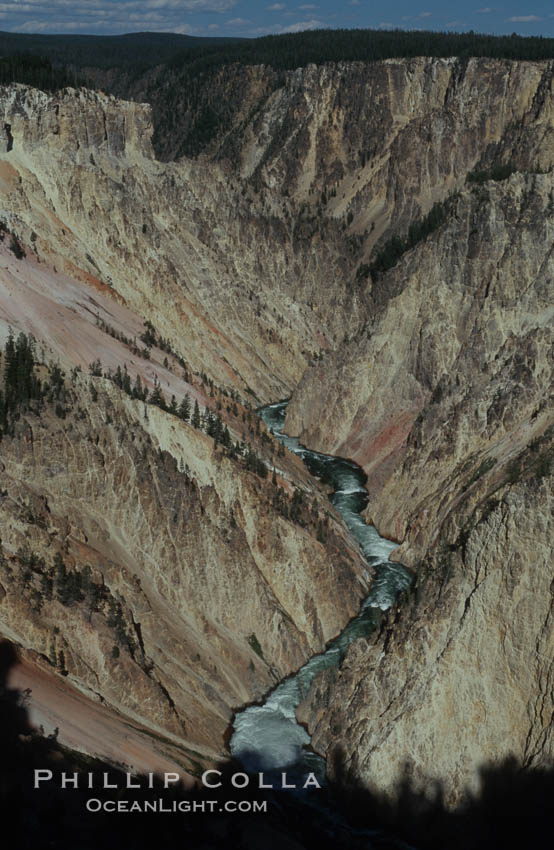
(267,737)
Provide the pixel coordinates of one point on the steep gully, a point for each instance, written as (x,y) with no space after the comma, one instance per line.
(267,737)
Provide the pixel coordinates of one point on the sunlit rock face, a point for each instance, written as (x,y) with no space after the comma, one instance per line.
(225,272)
(200,595)
(219,593)
(455,369)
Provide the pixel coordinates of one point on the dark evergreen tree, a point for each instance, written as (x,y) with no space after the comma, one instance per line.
(157,397)
(139,391)
(184,409)
(296,505)
(21,386)
(61,582)
(226,438)
(95,368)
(126,381)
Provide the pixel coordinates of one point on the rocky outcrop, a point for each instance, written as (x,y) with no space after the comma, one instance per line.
(371,145)
(76,125)
(291,196)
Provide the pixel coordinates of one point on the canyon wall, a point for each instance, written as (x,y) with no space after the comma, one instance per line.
(454,374)
(195,600)
(369,145)
(460,676)
(447,401)
(228,276)
(195,592)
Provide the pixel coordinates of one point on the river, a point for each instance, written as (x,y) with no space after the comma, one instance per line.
(267,737)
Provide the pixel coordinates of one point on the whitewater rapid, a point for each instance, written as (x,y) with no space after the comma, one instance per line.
(267,738)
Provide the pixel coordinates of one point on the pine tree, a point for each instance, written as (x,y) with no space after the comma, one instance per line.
(118,377)
(157,397)
(61,663)
(46,586)
(195,422)
(138,391)
(208,422)
(320,532)
(184,409)
(126,383)
(61,583)
(296,505)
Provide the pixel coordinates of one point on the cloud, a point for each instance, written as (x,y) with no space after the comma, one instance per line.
(354,3)
(484,11)
(417,17)
(304,25)
(107,16)
(523,19)
(238,23)
(308,7)
(276,7)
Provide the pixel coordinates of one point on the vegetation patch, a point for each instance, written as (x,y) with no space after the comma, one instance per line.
(37,71)
(496,172)
(393,250)
(481,470)
(255,645)
(537,462)
(20,386)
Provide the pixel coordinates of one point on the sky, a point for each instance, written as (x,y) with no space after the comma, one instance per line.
(253,18)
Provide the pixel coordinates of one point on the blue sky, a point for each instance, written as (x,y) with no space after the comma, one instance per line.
(250,18)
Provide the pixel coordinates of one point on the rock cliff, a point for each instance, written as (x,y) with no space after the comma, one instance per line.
(454,374)
(368,145)
(228,275)
(447,402)
(194,593)
(460,677)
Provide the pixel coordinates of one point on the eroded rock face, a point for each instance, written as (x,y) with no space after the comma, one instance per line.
(373,145)
(448,403)
(205,594)
(76,124)
(228,275)
(462,675)
(454,374)
(317,167)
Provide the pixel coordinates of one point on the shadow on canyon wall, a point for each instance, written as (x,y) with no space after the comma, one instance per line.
(515,806)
